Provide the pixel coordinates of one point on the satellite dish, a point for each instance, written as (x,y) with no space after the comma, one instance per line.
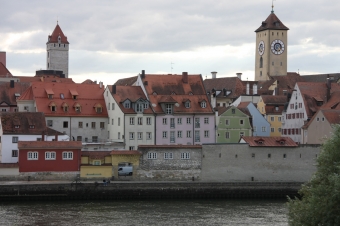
(177,104)
(154,105)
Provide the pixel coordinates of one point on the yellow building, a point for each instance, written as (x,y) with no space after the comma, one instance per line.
(271,107)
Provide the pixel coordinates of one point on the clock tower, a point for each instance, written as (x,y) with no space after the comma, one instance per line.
(271,48)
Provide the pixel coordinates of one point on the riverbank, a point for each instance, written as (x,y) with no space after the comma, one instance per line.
(130,190)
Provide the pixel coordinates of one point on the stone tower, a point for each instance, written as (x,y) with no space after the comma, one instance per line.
(271,48)
(57,48)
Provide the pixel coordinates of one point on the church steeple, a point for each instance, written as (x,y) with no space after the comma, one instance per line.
(57,48)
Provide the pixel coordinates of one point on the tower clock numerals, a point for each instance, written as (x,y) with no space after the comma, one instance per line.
(277,47)
(261,47)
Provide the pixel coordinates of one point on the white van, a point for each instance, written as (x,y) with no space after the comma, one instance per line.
(125,171)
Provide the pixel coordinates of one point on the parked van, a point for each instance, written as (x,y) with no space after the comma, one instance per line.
(125,171)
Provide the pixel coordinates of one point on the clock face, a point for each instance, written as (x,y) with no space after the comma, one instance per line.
(261,48)
(277,47)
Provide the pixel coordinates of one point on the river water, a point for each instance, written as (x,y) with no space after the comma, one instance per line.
(137,213)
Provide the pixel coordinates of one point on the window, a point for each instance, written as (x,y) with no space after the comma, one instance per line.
(132,120)
(14,153)
(112,121)
(16,126)
(197,136)
(188,120)
(113,106)
(227,122)
(118,135)
(233,111)
(131,148)
(148,121)
(168,155)
(67,155)
(253,155)
(241,134)
(127,105)
(168,109)
(187,104)
(272,119)
(77,109)
(152,155)
(164,121)
(279,118)
(93,125)
(94,139)
(279,129)
(79,138)
(32,155)
(284,156)
(185,155)
(49,123)
(272,130)
(139,107)
(80,124)
(146,105)
(96,162)
(172,123)
(140,121)
(132,136)
(261,62)
(140,136)
(118,121)
(102,125)
(323,119)
(165,134)
(206,133)
(14,139)
(203,104)
(263,129)
(269,156)
(108,106)
(148,136)
(172,136)
(179,134)
(50,155)
(197,122)
(179,121)
(241,122)
(227,135)
(206,120)
(65,124)
(188,134)
(317,119)
(99,109)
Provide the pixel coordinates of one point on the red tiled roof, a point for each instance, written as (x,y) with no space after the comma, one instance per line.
(275,100)
(332,116)
(233,84)
(126,81)
(8,94)
(55,34)
(24,120)
(125,153)
(133,93)
(89,95)
(4,72)
(273,23)
(49,144)
(171,146)
(44,79)
(269,141)
(96,154)
(166,85)
(274,110)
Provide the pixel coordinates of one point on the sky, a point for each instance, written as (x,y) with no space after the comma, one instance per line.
(114,39)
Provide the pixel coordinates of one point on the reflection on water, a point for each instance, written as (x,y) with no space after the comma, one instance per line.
(188,212)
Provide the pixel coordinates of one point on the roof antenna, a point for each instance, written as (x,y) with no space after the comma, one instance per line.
(57,19)
(273,6)
(171,66)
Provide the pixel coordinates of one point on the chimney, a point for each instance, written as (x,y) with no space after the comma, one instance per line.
(3,58)
(43,136)
(114,87)
(247,88)
(329,86)
(213,74)
(11,84)
(101,85)
(185,77)
(56,137)
(254,89)
(239,75)
(143,74)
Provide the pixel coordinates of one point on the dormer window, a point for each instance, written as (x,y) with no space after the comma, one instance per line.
(98,107)
(154,93)
(146,105)
(77,107)
(227,92)
(168,109)
(191,94)
(32,126)
(16,127)
(16,95)
(173,93)
(139,107)
(74,94)
(59,39)
(53,106)
(50,96)
(187,104)
(203,104)
(259,141)
(127,104)
(65,107)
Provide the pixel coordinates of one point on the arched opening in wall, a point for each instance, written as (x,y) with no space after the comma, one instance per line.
(261,62)
(125,170)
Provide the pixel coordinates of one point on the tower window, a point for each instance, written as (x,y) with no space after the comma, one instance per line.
(260,73)
(261,62)
(48,65)
(54,44)
(273,63)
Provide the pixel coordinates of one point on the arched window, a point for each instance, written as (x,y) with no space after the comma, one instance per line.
(261,62)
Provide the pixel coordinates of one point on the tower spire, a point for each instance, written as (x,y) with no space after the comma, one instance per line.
(273,6)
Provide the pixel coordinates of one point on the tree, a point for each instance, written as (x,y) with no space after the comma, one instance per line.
(320,202)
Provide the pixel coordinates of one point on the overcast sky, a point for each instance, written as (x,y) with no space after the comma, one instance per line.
(112,39)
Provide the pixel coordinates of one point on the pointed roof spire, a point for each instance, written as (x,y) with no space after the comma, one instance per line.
(53,38)
(273,6)
(272,23)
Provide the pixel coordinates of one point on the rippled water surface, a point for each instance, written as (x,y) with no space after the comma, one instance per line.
(192,212)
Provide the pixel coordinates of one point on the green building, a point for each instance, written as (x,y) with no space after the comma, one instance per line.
(232,123)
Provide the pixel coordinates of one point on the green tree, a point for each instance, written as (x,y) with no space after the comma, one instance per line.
(320,202)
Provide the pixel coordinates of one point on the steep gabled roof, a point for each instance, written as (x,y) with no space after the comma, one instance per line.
(20,122)
(272,23)
(133,93)
(89,95)
(233,84)
(55,34)
(9,94)
(269,141)
(48,78)
(4,72)
(332,116)
(274,100)
(160,88)
(126,81)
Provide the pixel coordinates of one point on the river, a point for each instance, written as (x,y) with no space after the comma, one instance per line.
(161,212)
